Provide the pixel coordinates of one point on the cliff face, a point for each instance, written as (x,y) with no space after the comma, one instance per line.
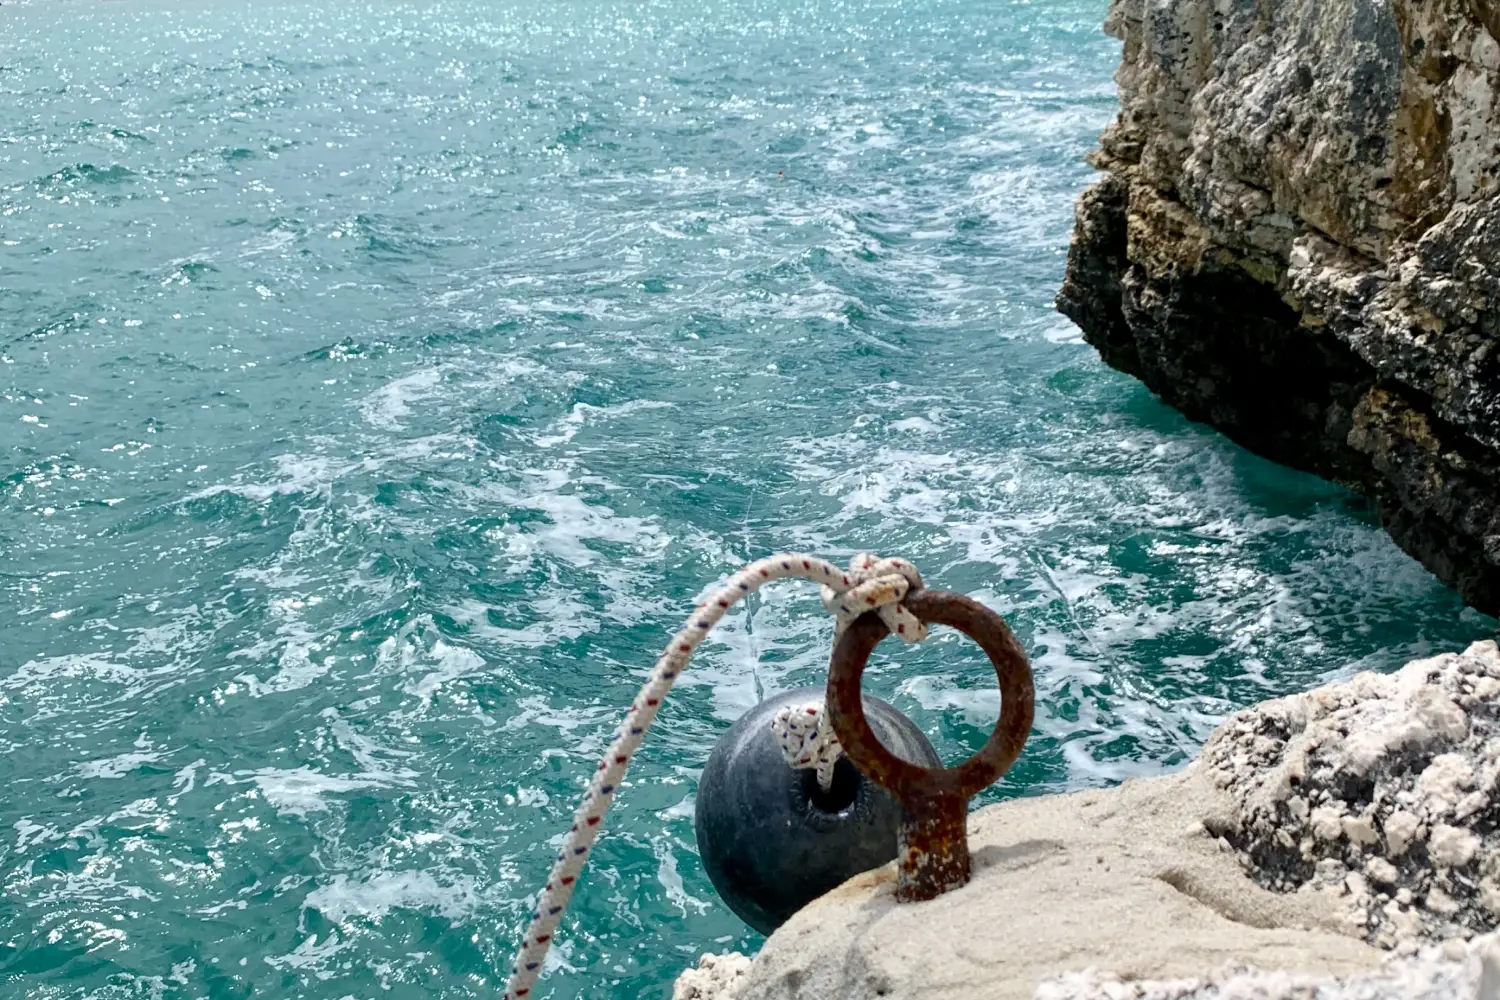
(1297,241)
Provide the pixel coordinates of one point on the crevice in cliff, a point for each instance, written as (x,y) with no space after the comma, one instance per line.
(1227,350)
(1252,253)
(1218,345)
(1436,490)
(1091,295)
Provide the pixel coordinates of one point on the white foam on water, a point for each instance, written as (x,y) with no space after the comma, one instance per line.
(566,428)
(563,617)
(537,710)
(312,955)
(62,685)
(392,403)
(574,522)
(298,474)
(917,425)
(184,633)
(671,880)
(96,882)
(276,240)
(372,896)
(671,234)
(119,765)
(301,790)
(295,669)
(29,833)
(978,707)
(452,663)
(185,780)
(91,665)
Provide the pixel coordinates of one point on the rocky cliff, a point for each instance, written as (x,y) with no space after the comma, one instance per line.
(1296,242)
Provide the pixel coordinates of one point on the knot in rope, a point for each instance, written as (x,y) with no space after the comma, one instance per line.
(876,585)
(807,740)
(805,735)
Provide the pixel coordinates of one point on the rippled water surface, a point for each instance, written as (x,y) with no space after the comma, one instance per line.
(382,382)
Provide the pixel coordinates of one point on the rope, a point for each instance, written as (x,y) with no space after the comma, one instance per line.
(807,740)
(868,584)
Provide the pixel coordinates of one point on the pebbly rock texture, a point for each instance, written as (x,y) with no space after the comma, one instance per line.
(1384,792)
(1451,971)
(717,977)
(1298,241)
(1314,835)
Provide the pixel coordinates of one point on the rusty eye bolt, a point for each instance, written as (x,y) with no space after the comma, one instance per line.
(933,848)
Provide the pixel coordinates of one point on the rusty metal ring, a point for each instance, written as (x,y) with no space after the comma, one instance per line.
(908,782)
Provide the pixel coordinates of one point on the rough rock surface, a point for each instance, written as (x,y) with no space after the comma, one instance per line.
(1381,791)
(1312,831)
(1451,971)
(717,977)
(1298,242)
(1124,879)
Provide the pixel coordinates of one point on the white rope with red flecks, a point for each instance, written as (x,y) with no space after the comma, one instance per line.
(807,740)
(868,584)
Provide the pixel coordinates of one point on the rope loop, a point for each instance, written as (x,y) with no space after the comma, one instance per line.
(879,585)
(869,584)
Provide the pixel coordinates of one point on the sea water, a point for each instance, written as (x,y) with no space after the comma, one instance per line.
(384,381)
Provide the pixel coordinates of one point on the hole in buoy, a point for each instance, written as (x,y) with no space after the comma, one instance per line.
(841,795)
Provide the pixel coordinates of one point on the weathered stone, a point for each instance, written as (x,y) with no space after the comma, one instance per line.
(1162,881)
(717,977)
(1453,970)
(1305,194)
(1120,878)
(1394,763)
(1452,847)
(1382,872)
(1401,828)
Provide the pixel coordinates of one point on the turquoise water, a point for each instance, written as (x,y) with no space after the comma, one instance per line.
(382,383)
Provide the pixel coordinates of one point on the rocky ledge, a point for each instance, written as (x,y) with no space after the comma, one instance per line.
(1346,840)
(1451,971)
(1297,239)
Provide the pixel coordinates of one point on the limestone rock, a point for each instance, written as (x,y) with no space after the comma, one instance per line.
(717,977)
(1362,810)
(1306,194)
(1126,879)
(1454,970)
(1411,762)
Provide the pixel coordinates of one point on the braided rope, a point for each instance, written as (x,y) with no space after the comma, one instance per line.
(807,740)
(868,584)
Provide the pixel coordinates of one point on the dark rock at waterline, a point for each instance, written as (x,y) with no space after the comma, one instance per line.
(1297,241)
(770,838)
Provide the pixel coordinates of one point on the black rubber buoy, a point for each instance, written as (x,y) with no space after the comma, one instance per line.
(770,838)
